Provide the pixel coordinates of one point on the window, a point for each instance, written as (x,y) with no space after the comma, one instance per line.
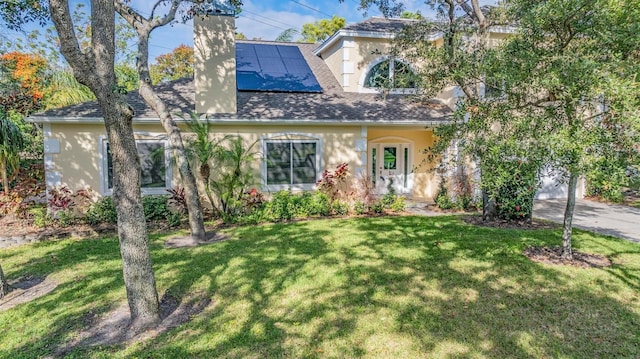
(391,74)
(155,169)
(291,164)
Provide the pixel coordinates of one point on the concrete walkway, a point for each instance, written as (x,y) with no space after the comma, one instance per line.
(613,220)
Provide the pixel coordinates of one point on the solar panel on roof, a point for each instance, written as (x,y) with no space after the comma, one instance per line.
(281,68)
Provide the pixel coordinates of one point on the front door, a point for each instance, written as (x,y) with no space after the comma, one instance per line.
(390,167)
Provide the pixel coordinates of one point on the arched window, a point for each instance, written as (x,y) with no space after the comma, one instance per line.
(390,74)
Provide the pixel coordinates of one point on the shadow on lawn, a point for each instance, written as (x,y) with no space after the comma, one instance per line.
(384,287)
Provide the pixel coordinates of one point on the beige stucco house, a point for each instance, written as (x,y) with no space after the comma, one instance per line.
(265,92)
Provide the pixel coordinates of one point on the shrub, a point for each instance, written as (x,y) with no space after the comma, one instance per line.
(155,207)
(232,177)
(40,216)
(606,182)
(365,193)
(462,189)
(60,199)
(102,211)
(388,199)
(359,207)
(330,182)
(340,208)
(399,204)
(65,218)
(281,207)
(443,201)
(377,207)
(319,205)
(177,200)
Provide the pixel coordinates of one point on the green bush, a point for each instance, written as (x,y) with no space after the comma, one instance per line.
(377,207)
(319,205)
(464,202)
(514,200)
(388,199)
(606,181)
(443,201)
(399,204)
(359,207)
(281,207)
(155,208)
(40,216)
(65,218)
(340,208)
(102,211)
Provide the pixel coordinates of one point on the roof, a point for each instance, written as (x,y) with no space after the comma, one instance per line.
(332,105)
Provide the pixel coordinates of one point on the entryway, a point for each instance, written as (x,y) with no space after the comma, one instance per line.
(391,166)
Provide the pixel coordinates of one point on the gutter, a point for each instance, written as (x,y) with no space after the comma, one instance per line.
(261,122)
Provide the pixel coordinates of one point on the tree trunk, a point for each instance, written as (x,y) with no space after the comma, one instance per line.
(488,207)
(143,28)
(95,69)
(567,252)
(4,286)
(194,207)
(3,173)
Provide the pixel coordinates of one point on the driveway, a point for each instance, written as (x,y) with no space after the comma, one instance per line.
(613,220)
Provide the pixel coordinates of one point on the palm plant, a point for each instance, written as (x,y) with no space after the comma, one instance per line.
(65,90)
(11,142)
(234,174)
(202,150)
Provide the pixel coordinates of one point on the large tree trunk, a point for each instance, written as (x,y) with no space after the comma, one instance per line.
(4,286)
(567,252)
(143,28)
(132,229)
(95,69)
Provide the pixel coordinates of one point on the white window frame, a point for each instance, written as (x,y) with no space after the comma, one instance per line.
(362,88)
(103,166)
(290,138)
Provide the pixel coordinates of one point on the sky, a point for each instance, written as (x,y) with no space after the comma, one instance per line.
(264,19)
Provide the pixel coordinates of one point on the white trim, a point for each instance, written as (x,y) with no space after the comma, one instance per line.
(265,122)
(390,35)
(367,34)
(46,130)
(51,145)
(102,163)
(290,137)
(48,162)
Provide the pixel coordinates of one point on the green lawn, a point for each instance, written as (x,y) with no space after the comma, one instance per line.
(386,287)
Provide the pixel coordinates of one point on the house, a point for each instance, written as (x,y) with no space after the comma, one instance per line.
(309,108)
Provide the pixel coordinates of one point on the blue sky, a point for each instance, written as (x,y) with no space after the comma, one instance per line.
(264,19)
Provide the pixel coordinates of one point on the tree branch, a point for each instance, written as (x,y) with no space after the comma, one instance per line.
(69,46)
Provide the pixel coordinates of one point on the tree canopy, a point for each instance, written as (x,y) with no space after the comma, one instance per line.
(321,29)
(559,92)
(174,65)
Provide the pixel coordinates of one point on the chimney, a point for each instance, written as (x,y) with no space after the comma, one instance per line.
(215,58)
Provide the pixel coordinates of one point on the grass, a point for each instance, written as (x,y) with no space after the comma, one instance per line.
(386,287)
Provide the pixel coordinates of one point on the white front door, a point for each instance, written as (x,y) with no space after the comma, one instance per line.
(391,167)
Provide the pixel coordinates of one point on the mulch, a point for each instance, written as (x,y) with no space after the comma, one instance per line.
(553,256)
(500,223)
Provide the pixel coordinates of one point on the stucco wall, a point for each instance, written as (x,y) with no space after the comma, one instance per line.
(76,161)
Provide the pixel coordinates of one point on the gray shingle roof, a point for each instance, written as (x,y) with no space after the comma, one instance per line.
(332,104)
